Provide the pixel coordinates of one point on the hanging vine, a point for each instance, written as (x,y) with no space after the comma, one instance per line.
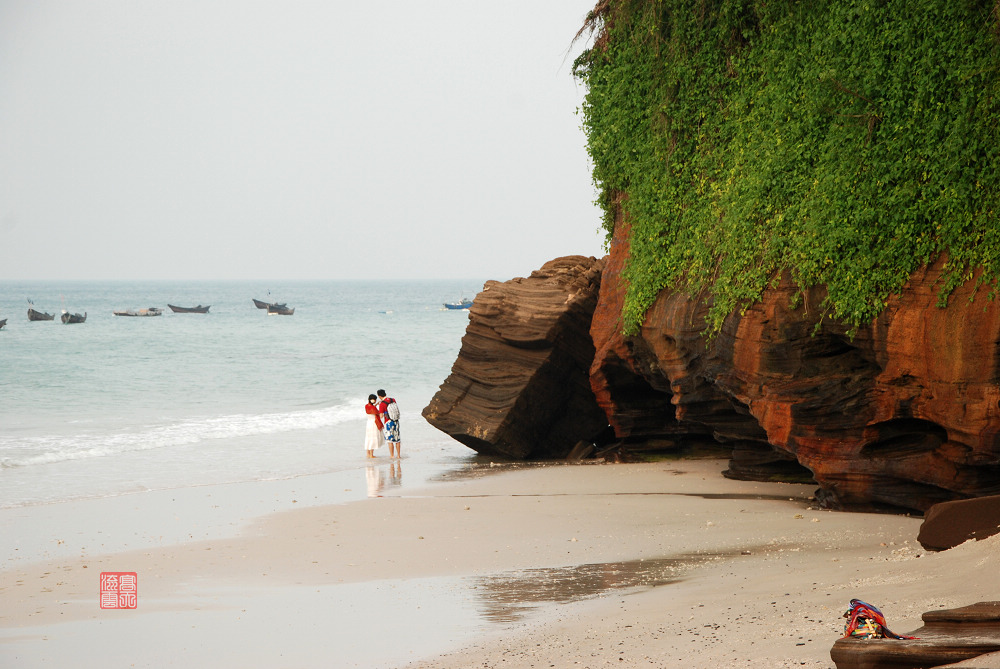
(845,141)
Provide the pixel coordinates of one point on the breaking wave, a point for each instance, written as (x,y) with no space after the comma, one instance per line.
(38,450)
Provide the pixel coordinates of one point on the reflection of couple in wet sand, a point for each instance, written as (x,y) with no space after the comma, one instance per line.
(375,476)
(383,425)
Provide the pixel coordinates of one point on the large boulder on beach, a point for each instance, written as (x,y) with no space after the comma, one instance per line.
(520,387)
(949,524)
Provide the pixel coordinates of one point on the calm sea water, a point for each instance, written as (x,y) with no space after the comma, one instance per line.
(118,405)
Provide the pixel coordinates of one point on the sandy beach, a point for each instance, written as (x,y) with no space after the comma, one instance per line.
(642,565)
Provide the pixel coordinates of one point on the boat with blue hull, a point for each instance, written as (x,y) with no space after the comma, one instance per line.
(465,303)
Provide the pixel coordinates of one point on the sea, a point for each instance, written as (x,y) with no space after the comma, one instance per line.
(143,407)
(119,405)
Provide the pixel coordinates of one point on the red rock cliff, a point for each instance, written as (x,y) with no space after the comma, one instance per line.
(904,414)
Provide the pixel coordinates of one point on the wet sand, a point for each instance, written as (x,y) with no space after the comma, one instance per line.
(651,565)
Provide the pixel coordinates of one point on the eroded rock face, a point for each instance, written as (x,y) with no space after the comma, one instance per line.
(657,386)
(637,404)
(520,386)
(905,414)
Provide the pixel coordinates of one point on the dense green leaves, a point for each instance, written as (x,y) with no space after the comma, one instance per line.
(846,141)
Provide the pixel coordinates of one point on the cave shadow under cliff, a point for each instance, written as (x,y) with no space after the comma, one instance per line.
(903,437)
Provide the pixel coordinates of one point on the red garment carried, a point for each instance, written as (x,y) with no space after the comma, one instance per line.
(369,409)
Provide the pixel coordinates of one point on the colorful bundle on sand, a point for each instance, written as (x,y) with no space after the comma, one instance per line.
(867,622)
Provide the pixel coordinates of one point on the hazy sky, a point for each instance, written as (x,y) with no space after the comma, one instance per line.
(293,139)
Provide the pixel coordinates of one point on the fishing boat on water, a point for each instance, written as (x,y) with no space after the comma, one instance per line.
(189,310)
(465,303)
(39,315)
(151,311)
(3,323)
(73,318)
(260,304)
(279,310)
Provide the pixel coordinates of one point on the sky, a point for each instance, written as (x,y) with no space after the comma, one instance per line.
(292,139)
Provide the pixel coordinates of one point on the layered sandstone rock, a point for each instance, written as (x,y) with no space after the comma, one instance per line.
(902,414)
(905,413)
(520,386)
(637,404)
(656,387)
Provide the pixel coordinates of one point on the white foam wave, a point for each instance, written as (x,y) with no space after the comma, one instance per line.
(23,452)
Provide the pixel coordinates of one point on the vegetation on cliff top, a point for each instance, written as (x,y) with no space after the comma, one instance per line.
(847,142)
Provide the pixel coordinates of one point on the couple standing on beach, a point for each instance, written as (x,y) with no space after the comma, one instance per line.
(383,425)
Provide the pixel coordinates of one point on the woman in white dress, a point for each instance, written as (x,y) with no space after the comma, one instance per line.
(373,431)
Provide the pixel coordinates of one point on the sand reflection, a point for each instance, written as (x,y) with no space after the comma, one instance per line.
(510,596)
(379,478)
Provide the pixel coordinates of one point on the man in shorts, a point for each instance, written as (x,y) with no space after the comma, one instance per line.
(391,426)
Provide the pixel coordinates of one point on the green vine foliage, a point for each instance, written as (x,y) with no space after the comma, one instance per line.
(847,142)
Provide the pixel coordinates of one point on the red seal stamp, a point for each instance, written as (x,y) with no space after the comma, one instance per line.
(119,590)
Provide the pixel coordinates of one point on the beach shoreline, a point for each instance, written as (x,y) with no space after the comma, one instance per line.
(636,565)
